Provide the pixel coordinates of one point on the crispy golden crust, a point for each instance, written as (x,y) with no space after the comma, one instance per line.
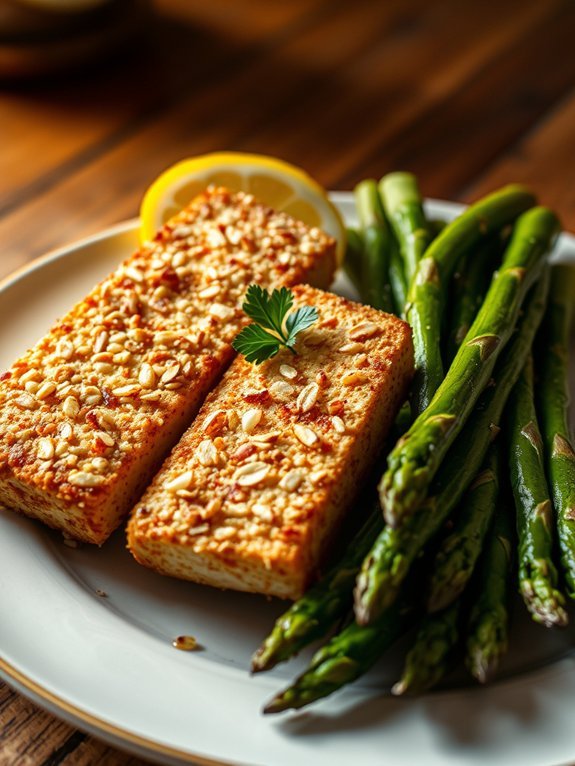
(89,413)
(254,492)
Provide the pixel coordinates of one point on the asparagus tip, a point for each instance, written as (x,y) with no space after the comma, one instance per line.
(482,667)
(260,662)
(399,688)
(545,604)
(277,705)
(361,608)
(549,615)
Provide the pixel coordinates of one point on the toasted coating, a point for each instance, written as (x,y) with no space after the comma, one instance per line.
(89,413)
(254,493)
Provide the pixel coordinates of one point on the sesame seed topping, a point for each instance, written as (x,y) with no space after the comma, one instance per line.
(182,481)
(220,311)
(84,479)
(210,292)
(338,424)
(364,330)
(352,348)
(305,435)
(45,448)
(105,438)
(250,474)
(26,401)
(46,389)
(129,390)
(135,274)
(307,397)
(207,453)
(291,480)
(288,372)
(354,379)
(101,341)
(147,376)
(29,375)
(199,530)
(172,371)
(251,419)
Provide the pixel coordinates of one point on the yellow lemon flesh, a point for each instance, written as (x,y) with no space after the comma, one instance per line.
(280,185)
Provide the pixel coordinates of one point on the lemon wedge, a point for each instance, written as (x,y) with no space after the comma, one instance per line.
(282,186)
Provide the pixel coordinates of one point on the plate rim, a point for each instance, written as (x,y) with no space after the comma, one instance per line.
(56,704)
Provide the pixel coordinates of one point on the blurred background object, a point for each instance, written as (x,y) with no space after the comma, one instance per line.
(40,37)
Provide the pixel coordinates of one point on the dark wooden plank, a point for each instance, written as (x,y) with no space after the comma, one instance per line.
(431,54)
(27,734)
(469,128)
(31,737)
(53,127)
(292,102)
(544,160)
(109,188)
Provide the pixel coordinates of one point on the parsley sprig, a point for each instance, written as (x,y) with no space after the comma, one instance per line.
(274,325)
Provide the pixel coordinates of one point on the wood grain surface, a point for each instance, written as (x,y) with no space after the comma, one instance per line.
(467,95)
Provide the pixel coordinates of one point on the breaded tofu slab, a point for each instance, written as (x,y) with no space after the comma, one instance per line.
(256,490)
(89,413)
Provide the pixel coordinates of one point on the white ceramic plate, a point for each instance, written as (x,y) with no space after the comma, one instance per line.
(107,664)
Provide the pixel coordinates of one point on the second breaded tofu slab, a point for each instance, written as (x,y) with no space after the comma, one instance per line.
(255,491)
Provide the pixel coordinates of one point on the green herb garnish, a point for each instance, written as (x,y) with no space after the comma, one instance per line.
(274,325)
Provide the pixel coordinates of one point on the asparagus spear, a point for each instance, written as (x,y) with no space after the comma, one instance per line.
(488,624)
(471,284)
(395,550)
(427,289)
(415,459)
(352,259)
(316,611)
(553,402)
(432,652)
(397,279)
(376,245)
(457,556)
(404,209)
(537,573)
(346,657)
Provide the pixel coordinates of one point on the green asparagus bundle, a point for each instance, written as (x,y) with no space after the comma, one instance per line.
(415,459)
(488,625)
(432,652)
(346,657)
(537,573)
(396,549)
(428,287)
(458,552)
(553,400)
(403,206)
(374,274)
(311,616)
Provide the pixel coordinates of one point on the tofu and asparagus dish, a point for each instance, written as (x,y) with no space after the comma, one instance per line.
(397,466)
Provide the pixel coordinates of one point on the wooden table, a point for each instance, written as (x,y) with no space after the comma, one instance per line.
(467,95)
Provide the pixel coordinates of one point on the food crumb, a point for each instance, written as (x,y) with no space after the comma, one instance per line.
(101,593)
(185,643)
